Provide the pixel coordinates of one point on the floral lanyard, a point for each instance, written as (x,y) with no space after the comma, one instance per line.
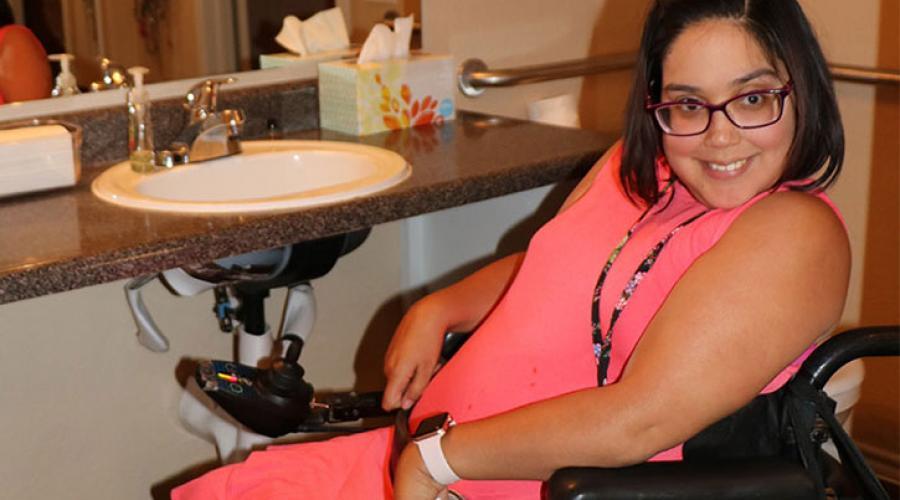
(603,345)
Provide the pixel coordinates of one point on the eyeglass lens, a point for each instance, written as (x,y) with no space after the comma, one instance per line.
(747,111)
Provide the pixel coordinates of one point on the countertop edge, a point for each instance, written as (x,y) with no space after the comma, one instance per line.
(281,229)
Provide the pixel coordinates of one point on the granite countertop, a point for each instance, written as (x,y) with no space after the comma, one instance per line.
(67,239)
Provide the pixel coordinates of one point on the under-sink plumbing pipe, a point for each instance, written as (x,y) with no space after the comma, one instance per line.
(299,314)
(180,282)
(298,318)
(148,333)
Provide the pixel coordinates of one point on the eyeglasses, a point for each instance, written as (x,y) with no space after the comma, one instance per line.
(749,110)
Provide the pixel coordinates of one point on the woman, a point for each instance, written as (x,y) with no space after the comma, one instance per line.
(692,269)
(24,70)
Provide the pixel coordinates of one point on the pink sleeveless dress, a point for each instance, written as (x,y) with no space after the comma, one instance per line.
(534,345)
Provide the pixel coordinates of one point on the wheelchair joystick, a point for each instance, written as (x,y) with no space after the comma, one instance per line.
(285,378)
(277,401)
(272,402)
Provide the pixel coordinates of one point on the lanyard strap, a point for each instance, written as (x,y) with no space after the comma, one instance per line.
(603,344)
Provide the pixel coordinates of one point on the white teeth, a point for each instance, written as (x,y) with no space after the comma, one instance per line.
(731,167)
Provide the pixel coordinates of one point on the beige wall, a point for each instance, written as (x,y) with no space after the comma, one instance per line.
(879,416)
(849,35)
(866,33)
(534,33)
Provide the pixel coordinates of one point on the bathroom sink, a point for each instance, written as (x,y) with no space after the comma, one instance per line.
(266,176)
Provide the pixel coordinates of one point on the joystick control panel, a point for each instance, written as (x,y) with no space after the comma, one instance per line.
(277,401)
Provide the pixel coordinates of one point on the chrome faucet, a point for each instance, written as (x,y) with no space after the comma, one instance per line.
(210,134)
(112,76)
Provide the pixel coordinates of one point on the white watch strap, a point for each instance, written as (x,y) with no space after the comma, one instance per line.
(435,462)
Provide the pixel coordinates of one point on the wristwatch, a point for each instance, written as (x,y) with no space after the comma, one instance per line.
(428,439)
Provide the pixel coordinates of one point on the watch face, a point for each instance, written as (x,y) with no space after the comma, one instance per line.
(432,424)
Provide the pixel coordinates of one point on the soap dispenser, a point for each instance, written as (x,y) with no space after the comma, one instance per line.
(65,81)
(140,131)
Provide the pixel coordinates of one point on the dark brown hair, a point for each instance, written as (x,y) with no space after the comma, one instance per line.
(785,35)
(6,14)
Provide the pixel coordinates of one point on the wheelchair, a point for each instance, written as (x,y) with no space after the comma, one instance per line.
(766,477)
(282,403)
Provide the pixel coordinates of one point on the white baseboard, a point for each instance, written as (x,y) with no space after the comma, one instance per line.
(886,464)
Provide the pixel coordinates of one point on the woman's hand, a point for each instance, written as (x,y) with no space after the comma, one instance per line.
(412,480)
(412,356)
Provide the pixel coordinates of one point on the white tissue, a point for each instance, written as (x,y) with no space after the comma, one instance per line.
(403,27)
(326,31)
(36,158)
(383,43)
(291,36)
(379,45)
(322,32)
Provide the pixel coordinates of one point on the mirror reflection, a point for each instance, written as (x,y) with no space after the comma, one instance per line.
(175,39)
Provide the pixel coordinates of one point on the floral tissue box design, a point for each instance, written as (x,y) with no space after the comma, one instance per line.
(363,99)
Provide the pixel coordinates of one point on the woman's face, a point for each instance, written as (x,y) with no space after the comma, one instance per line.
(725,166)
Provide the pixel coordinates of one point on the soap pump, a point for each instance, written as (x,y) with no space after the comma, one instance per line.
(140,131)
(66,84)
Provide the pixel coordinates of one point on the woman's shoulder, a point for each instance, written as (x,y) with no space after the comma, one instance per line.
(16,33)
(797,224)
(791,210)
(24,70)
(18,44)
(782,210)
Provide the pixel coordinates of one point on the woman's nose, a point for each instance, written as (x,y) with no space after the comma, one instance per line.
(721,131)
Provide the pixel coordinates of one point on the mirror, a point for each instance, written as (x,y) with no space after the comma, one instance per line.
(178,39)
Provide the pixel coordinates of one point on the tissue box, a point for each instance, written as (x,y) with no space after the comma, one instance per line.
(363,99)
(35,158)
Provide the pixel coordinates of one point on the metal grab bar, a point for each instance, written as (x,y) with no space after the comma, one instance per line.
(474,76)
(859,74)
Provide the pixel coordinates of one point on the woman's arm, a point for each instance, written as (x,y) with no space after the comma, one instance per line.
(412,356)
(773,284)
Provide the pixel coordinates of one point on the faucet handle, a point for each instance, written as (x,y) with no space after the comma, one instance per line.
(234,120)
(201,99)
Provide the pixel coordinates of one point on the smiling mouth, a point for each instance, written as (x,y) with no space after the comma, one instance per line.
(727,167)
(726,171)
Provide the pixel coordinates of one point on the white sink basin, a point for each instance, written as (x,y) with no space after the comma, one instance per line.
(267,176)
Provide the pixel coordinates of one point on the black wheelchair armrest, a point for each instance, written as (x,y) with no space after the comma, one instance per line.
(761,478)
(453,341)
